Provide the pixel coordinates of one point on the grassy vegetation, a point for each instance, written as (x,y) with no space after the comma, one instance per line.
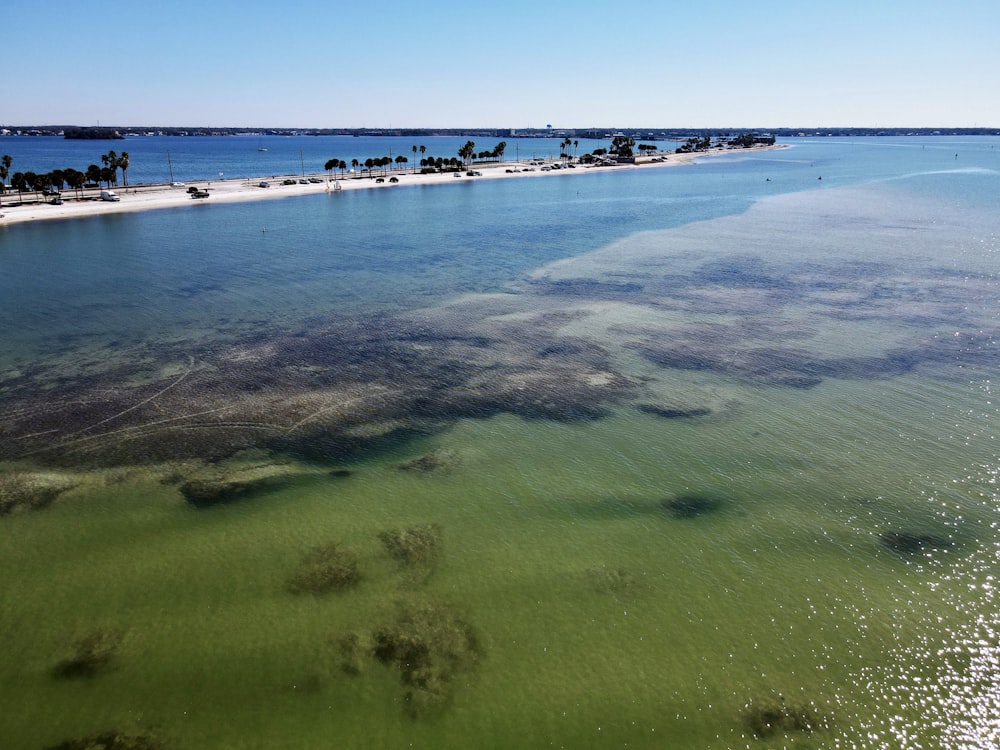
(325,569)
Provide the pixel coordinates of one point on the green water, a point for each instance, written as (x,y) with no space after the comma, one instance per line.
(827,579)
(603,619)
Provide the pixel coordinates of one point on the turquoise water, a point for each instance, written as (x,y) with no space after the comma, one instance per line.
(710,453)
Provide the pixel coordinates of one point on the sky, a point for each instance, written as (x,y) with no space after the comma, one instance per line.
(516,64)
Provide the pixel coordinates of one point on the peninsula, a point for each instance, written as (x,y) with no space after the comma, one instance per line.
(15,210)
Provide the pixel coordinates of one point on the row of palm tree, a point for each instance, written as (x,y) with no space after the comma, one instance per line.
(369,165)
(26,182)
(29,181)
(115,162)
(467,153)
(564,148)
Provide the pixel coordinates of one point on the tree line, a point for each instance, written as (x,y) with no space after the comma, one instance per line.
(57,179)
(466,154)
(621,146)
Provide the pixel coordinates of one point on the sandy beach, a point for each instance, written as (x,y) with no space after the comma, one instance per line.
(15,210)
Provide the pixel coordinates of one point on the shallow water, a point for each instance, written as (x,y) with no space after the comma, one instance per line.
(809,369)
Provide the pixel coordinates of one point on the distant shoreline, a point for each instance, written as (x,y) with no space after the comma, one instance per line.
(165,195)
(643,133)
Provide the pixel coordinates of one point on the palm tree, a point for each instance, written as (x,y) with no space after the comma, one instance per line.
(43,182)
(113,161)
(30,182)
(74,179)
(401,160)
(467,151)
(331,164)
(18,182)
(110,160)
(414,158)
(567,142)
(94,173)
(622,145)
(123,165)
(5,162)
(354,164)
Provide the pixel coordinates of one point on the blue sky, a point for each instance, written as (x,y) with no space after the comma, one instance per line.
(395,63)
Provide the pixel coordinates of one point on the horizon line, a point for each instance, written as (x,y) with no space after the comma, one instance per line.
(592,128)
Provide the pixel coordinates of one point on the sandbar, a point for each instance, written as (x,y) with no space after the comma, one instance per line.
(16,210)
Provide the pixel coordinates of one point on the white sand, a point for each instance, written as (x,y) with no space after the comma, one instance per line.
(146,197)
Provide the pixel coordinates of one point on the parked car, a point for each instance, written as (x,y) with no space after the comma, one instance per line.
(109,195)
(379,180)
(393,179)
(199,194)
(288,182)
(263,183)
(315,180)
(303,181)
(176,184)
